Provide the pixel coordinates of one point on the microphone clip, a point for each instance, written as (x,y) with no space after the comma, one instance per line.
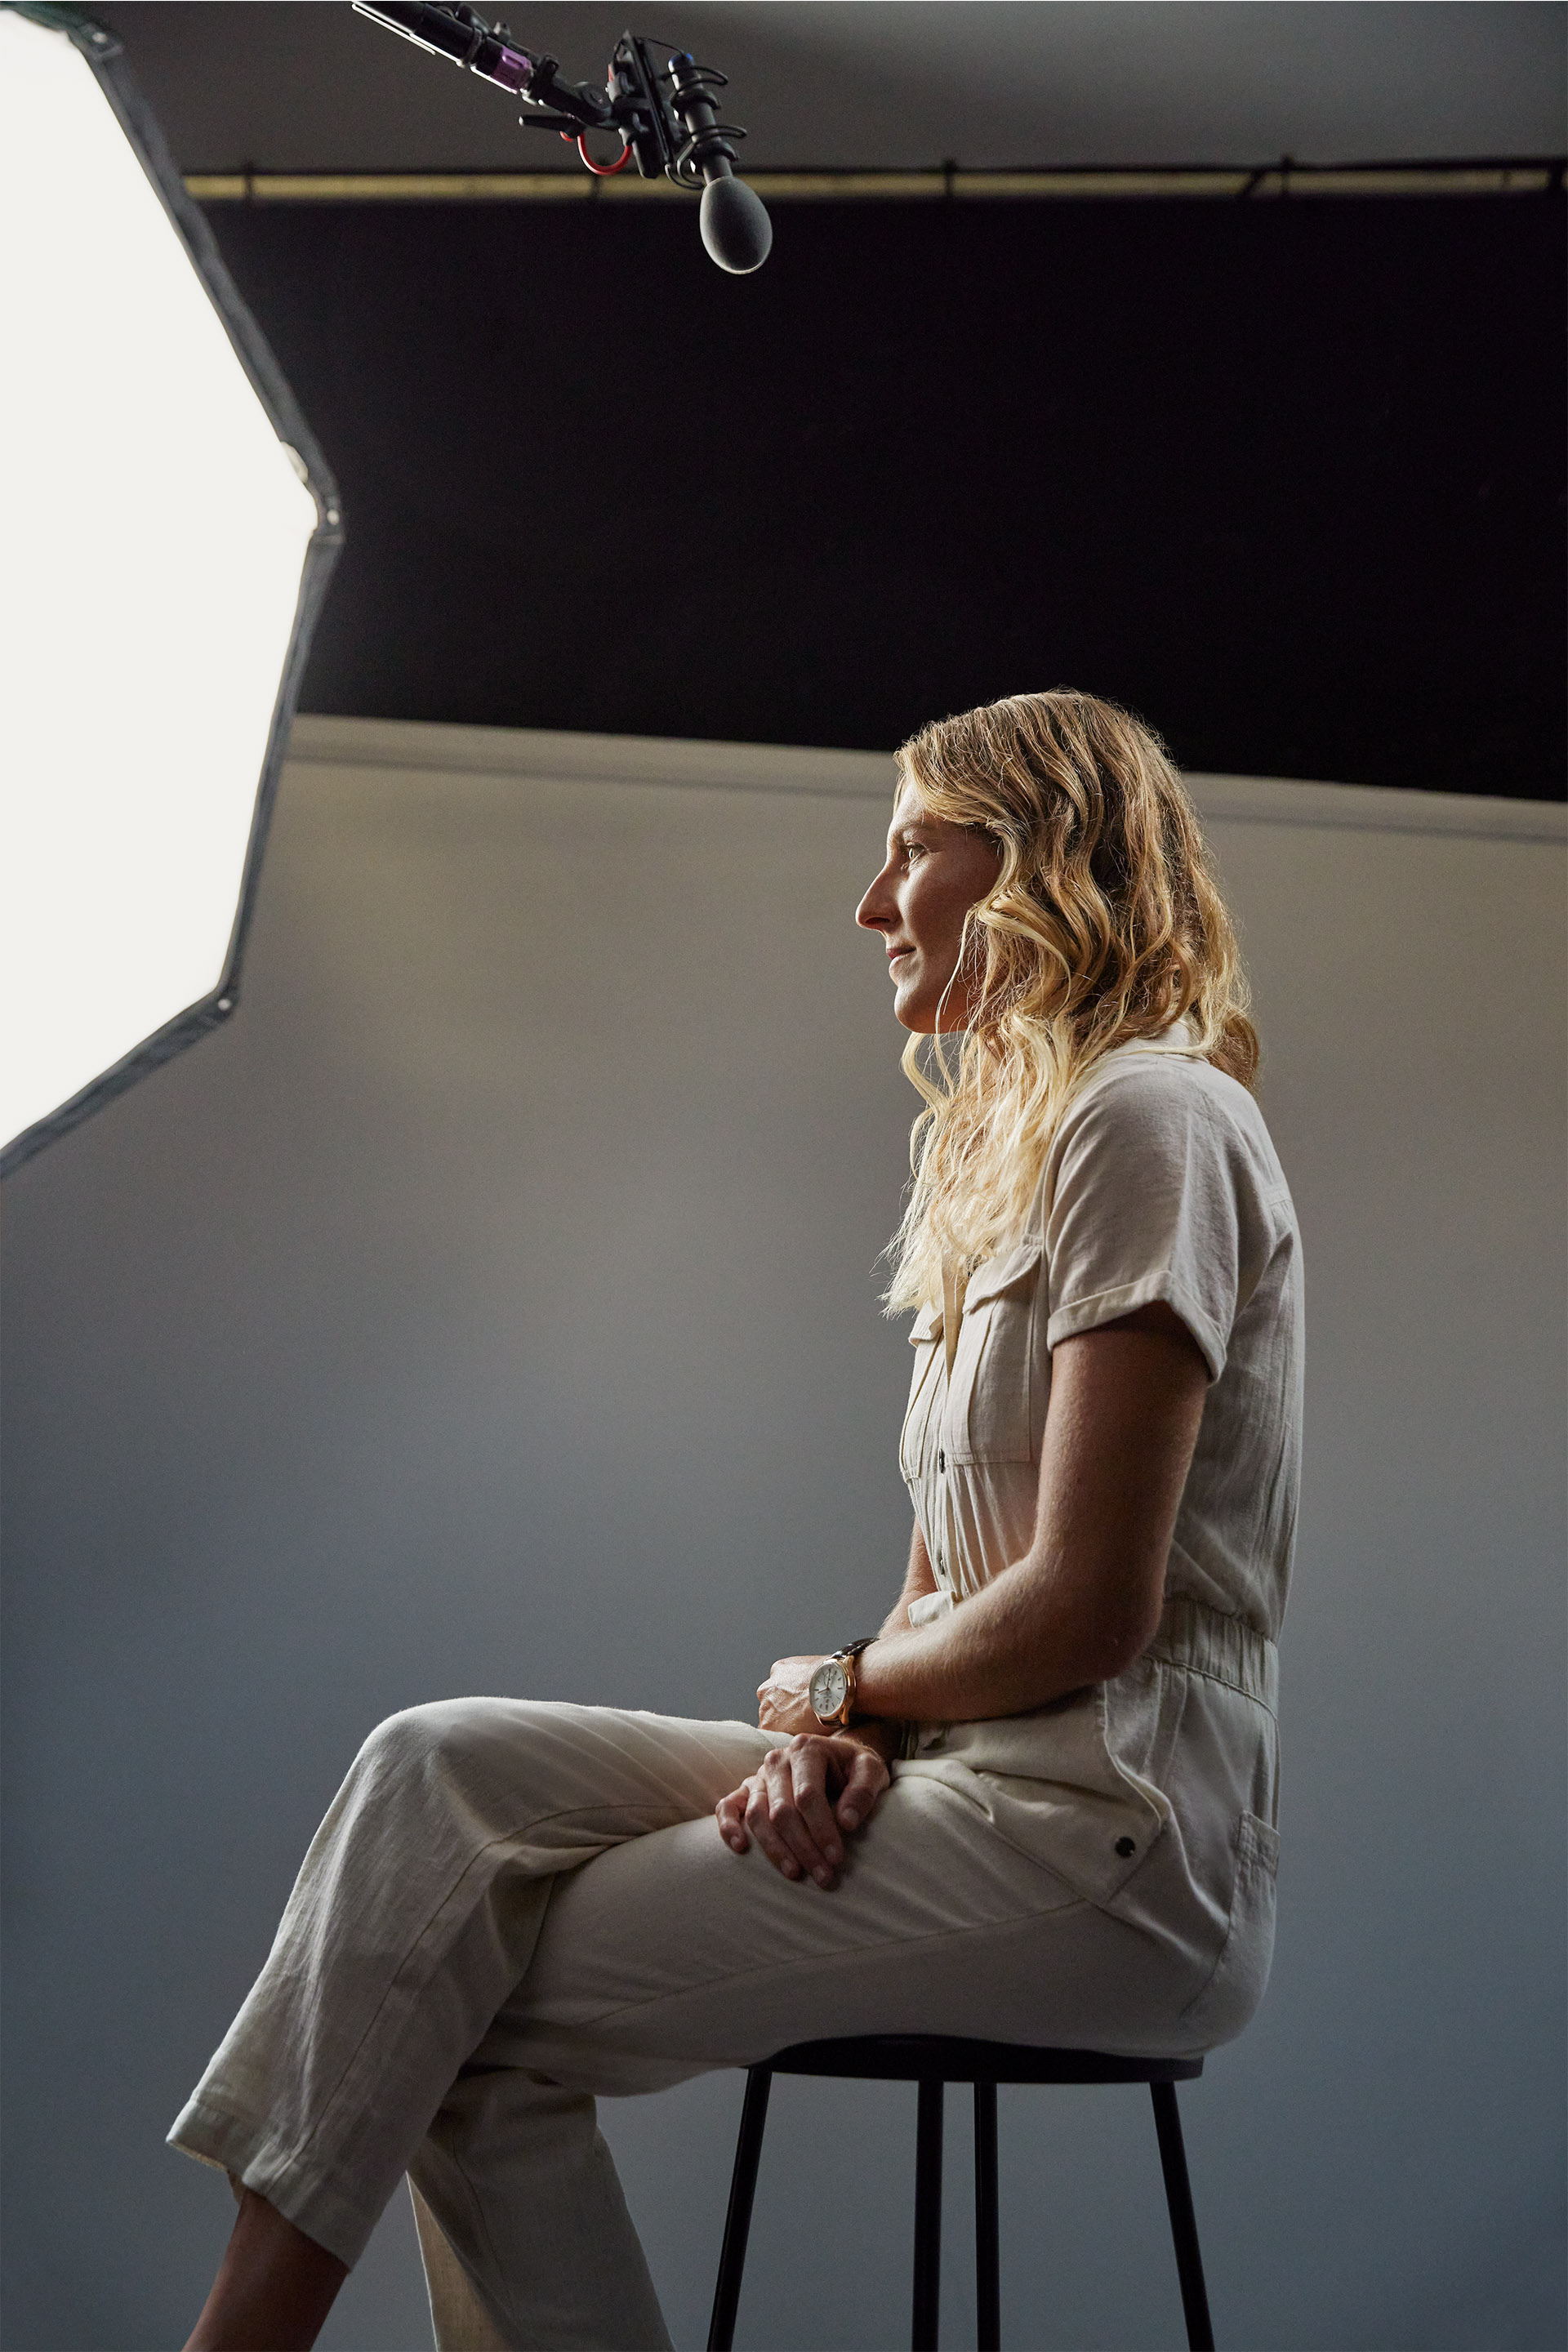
(665,114)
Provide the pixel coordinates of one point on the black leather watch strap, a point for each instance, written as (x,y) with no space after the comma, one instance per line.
(852,1650)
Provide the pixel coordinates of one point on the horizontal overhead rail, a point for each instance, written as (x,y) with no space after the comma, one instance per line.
(1533,175)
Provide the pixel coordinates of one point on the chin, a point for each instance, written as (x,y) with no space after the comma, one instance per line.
(917,1012)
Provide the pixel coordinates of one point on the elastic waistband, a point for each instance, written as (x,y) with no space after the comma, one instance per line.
(1204,1642)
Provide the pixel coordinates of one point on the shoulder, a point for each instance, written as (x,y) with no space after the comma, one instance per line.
(1156,1098)
(1169,1125)
(1161,1184)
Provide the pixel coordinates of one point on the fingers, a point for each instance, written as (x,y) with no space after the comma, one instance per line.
(809,1762)
(785,1809)
(730,1814)
(864,1783)
(774,1820)
(760,1826)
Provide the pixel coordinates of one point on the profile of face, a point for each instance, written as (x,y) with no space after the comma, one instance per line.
(934,873)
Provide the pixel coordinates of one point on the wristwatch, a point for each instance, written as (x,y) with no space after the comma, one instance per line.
(832,1688)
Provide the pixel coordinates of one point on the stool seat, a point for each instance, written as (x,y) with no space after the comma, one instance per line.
(954,2058)
(933,2061)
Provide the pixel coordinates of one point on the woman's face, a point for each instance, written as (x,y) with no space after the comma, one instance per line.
(935,872)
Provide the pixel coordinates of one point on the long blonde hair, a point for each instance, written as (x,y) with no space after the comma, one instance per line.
(1104,925)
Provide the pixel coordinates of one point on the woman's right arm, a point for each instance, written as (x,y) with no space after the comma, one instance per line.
(782,1701)
(802,1803)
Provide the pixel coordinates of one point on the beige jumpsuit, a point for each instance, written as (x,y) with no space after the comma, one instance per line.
(514,1905)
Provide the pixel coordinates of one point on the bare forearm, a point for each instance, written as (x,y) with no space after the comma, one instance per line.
(1126,1404)
(1006,1650)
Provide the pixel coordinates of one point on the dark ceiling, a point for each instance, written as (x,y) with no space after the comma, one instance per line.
(303,85)
(1286,477)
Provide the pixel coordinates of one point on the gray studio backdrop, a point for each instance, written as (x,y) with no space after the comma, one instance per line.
(492,1308)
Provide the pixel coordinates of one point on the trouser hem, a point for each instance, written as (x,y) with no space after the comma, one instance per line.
(240,2146)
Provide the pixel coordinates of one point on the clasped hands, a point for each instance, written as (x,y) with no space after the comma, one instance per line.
(805,1797)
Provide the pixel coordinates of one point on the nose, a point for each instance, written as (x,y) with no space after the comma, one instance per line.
(876,911)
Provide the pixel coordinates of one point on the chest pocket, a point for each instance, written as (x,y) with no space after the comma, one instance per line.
(990,1403)
(925,1387)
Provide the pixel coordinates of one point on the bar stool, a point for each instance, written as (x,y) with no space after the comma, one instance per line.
(933,2061)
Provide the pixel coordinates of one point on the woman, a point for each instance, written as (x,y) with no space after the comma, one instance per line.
(1039,1805)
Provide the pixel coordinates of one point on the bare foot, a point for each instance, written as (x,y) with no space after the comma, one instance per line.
(274,2287)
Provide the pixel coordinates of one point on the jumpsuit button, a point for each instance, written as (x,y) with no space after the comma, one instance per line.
(940,1459)
(1124,1846)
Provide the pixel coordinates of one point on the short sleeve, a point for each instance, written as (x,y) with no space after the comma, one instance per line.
(1156,1190)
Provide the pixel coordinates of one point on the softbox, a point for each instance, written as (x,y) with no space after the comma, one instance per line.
(167,528)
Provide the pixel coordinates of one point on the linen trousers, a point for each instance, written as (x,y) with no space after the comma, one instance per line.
(512,1906)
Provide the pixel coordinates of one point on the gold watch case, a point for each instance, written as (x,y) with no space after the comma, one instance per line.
(831,1692)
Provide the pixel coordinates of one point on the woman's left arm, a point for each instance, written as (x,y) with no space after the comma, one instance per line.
(1081,1604)
(1085,1600)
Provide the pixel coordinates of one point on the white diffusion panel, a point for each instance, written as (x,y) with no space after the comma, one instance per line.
(154,529)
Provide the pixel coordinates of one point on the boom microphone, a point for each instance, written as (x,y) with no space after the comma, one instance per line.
(735,226)
(664,113)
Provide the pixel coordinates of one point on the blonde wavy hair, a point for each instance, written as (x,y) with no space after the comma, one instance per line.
(1104,925)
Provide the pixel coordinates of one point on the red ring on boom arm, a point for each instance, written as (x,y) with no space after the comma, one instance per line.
(600,171)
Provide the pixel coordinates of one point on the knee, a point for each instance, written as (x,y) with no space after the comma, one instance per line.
(443,1741)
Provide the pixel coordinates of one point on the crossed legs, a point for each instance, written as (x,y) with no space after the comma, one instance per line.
(512,1906)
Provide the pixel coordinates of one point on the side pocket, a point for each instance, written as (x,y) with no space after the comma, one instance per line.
(1228,2001)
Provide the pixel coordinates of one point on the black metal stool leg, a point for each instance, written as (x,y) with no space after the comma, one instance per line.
(928,2217)
(738,2220)
(1184,2221)
(988,2231)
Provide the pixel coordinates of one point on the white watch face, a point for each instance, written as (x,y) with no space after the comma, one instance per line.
(828,1686)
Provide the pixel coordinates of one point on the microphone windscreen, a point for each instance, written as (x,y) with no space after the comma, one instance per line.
(735,226)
